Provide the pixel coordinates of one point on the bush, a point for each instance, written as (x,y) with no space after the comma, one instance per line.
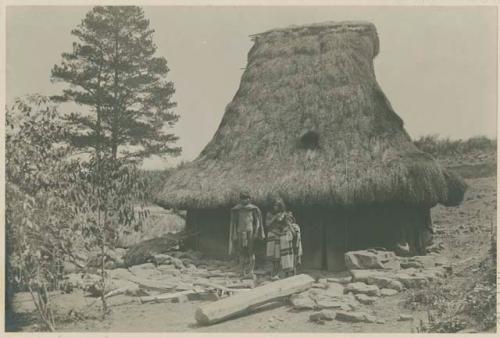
(437,147)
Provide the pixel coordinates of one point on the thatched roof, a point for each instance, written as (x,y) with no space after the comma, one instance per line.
(310,122)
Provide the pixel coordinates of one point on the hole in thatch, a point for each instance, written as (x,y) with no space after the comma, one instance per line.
(310,140)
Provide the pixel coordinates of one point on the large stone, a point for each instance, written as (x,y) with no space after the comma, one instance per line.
(371,259)
(360,287)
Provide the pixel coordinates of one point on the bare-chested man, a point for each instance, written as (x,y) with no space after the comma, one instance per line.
(246,227)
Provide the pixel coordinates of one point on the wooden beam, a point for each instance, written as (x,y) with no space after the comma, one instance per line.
(246,302)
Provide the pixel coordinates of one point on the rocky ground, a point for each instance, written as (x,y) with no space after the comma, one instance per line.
(370,297)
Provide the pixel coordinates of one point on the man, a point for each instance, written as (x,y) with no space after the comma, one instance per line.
(245,227)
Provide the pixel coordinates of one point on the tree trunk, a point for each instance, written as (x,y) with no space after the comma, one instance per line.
(246,302)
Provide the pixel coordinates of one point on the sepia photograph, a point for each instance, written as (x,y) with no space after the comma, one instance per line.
(250,169)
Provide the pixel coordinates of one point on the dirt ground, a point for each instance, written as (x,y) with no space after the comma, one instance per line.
(464,230)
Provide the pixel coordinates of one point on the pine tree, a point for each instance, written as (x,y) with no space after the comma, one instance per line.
(113,71)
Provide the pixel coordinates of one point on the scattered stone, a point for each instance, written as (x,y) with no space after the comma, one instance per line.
(120,274)
(360,287)
(379,281)
(410,271)
(136,291)
(322,316)
(146,270)
(371,259)
(180,299)
(388,292)
(353,317)
(340,280)
(403,317)
(161,259)
(302,301)
(200,272)
(347,307)
(395,285)
(69,267)
(365,299)
(411,264)
(320,285)
(204,296)
(334,290)
(412,281)
(370,319)
(184,286)
(329,304)
(177,263)
(433,273)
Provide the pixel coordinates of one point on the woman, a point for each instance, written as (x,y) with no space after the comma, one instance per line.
(284,247)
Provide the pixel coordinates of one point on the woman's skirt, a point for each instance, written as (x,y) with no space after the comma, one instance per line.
(273,251)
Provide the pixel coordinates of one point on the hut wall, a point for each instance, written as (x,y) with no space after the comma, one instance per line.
(327,233)
(212,226)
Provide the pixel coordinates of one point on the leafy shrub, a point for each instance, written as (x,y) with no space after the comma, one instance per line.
(39,214)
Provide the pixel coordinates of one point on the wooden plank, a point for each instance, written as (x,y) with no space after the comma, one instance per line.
(152,285)
(166,296)
(245,302)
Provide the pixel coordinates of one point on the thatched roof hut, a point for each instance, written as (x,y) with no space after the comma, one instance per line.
(310,122)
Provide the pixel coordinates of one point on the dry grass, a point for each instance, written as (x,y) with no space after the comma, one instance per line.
(318,79)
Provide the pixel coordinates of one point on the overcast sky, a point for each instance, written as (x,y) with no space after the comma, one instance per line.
(437,65)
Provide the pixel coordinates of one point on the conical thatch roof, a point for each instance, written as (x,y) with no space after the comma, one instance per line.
(311,123)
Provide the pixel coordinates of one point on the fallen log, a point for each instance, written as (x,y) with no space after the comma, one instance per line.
(246,302)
